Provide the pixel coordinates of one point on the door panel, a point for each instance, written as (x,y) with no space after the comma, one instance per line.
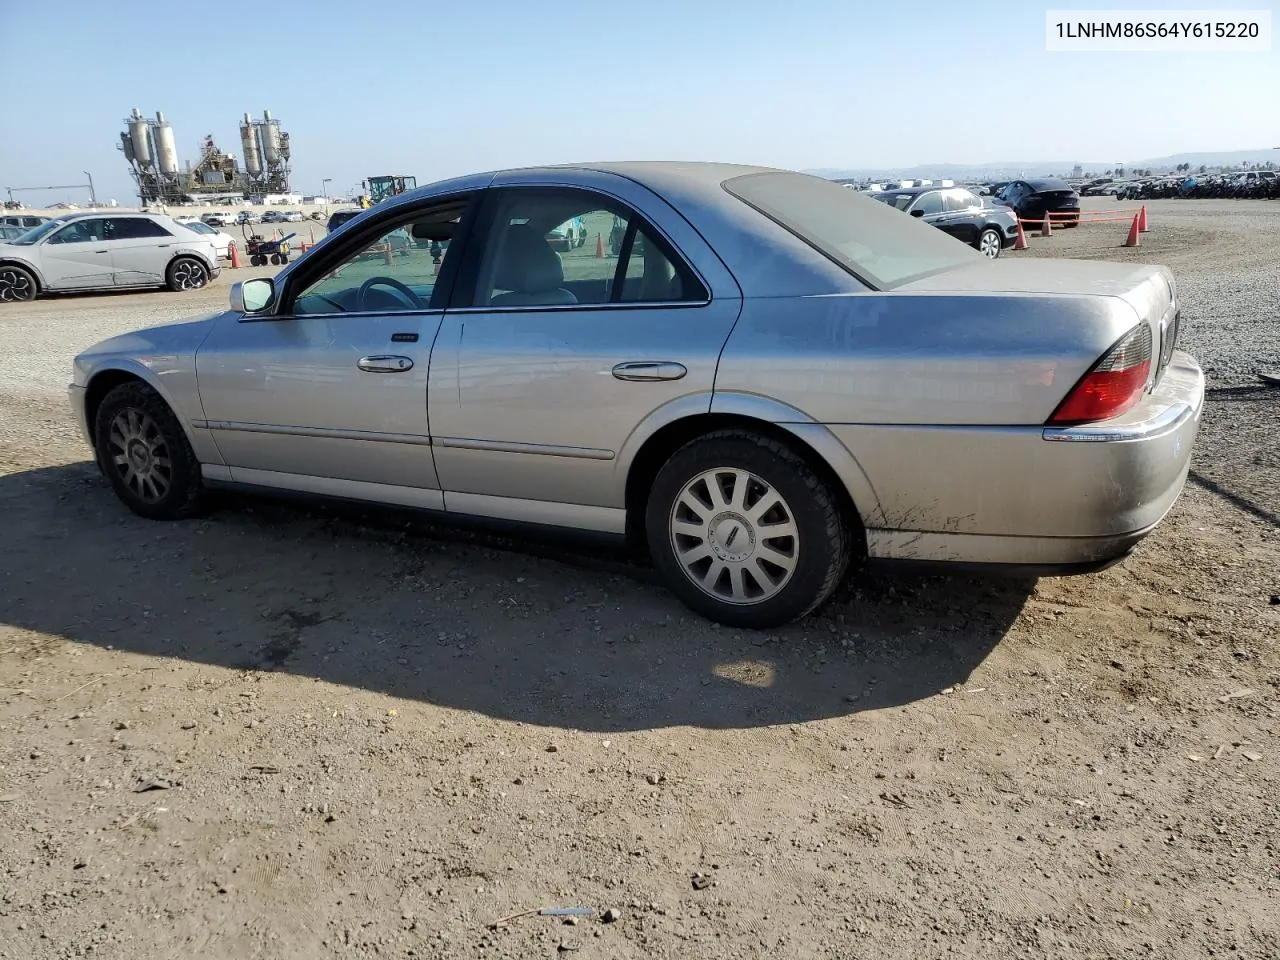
(140,249)
(526,405)
(288,395)
(78,256)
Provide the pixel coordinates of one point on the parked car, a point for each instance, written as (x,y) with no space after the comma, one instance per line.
(219,218)
(569,235)
(11,233)
(273,216)
(94,251)
(221,241)
(797,376)
(1032,198)
(247,216)
(339,217)
(25,221)
(985,227)
(293,216)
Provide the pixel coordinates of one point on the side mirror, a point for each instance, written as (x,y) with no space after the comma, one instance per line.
(253,296)
(917,213)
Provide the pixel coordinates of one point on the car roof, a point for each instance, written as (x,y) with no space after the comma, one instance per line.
(1047,183)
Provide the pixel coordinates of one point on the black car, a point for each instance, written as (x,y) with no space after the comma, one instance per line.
(959,212)
(1032,198)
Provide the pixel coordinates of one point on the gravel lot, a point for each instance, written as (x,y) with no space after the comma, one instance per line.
(285,732)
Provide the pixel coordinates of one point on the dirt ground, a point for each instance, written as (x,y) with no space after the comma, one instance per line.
(286,732)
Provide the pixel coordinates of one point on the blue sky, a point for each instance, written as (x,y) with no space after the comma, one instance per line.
(435,89)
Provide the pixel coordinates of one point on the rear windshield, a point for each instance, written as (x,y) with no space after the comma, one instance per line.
(870,239)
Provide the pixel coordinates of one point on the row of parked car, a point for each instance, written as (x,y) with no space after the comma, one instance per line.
(230,218)
(983,216)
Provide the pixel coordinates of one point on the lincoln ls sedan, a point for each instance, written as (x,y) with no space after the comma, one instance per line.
(770,379)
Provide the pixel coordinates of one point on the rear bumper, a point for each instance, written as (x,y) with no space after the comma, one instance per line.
(1030,496)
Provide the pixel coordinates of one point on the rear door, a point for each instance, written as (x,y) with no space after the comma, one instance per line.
(78,256)
(962,214)
(141,249)
(548,362)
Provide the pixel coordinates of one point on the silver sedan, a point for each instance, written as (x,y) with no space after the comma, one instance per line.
(757,374)
(100,251)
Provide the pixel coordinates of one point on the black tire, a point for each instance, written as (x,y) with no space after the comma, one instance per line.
(17,284)
(820,553)
(990,243)
(186,273)
(169,458)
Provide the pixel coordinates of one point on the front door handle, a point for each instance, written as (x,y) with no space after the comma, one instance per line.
(384,364)
(102,251)
(649,370)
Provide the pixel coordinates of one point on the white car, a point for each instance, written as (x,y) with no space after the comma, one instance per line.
(219,219)
(221,241)
(293,216)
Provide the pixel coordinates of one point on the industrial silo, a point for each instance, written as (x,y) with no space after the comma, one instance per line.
(249,143)
(166,149)
(140,135)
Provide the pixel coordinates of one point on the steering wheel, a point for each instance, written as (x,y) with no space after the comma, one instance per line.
(415,302)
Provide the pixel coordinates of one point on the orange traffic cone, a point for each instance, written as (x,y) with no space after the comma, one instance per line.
(1021,242)
(235,257)
(599,246)
(1142,219)
(1046,227)
(1132,240)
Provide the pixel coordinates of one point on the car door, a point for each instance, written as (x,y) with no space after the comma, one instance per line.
(327,392)
(78,256)
(141,250)
(547,363)
(928,207)
(962,212)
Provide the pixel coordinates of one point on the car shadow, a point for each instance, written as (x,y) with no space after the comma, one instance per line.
(516,629)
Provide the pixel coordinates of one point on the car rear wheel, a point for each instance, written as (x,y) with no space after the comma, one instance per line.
(16,284)
(745,532)
(187,273)
(145,455)
(990,243)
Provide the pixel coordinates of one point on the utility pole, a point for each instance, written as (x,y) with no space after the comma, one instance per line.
(93,197)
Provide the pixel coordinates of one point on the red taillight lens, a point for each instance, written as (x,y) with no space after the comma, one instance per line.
(1113,385)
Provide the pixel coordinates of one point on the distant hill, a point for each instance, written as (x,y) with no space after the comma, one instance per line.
(1016,168)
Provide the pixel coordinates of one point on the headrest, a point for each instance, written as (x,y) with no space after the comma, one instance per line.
(526,263)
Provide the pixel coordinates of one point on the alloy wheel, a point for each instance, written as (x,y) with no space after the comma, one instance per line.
(734,536)
(139,453)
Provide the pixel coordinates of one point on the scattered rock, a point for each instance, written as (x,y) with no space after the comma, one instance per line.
(189,725)
(701,882)
(552,748)
(611,916)
(1235,695)
(121,725)
(1117,664)
(570,921)
(567,946)
(1275,599)
(144,784)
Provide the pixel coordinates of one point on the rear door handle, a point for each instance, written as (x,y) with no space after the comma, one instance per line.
(649,370)
(384,364)
(102,251)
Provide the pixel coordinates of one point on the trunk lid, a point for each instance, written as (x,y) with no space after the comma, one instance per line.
(1150,290)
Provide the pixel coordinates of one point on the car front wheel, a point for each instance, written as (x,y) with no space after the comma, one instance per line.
(990,243)
(145,455)
(16,284)
(745,532)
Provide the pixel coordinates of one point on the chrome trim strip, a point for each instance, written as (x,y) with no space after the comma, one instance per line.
(326,433)
(1167,421)
(509,446)
(574,515)
(572,307)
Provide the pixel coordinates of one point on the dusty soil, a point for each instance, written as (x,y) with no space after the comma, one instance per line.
(282,732)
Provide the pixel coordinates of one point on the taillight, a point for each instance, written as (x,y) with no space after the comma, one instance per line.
(1113,385)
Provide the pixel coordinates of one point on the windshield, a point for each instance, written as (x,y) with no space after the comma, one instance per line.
(877,245)
(36,234)
(199,227)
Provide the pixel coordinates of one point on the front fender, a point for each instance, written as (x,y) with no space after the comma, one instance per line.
(26,265)
(178,392)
